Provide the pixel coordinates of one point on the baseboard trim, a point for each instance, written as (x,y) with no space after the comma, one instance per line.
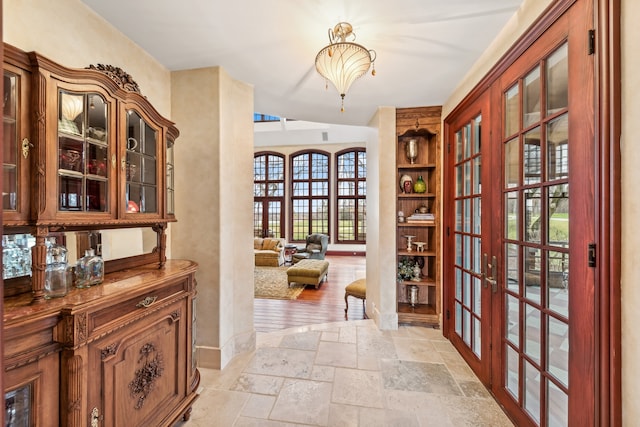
(219,357)
(347,253)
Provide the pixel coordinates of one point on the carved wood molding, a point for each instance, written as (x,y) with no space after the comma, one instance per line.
(40,136)
(109,350)
(146,376)
(81,327)
(161,246)
(74,390)
(39,264)
(74,329)
(118,75)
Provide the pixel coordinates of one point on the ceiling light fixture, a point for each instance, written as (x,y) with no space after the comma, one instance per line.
(342,61)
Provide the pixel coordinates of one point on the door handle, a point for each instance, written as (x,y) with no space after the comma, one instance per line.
(491,280)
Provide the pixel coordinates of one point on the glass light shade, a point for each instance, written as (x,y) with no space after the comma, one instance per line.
(342,61)
(342,64)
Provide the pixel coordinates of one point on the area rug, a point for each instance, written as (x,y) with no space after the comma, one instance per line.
(271,283)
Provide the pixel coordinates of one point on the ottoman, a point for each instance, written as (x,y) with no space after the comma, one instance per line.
(308,272)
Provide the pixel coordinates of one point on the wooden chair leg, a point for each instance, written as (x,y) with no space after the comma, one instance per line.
(346,303)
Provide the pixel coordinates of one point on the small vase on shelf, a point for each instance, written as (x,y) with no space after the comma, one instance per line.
(420,186)
(411,150)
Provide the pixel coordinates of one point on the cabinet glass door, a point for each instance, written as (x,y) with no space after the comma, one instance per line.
(83,152)
(16,147)
(17,407)
(141,164)
(170,178)
(10,143)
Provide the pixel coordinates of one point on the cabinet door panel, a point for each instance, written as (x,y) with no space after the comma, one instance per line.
(31,393)
(15,167)
(142,159)
(143,369)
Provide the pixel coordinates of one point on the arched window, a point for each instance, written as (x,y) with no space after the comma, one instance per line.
(309,194)
(268,194)
(351,196)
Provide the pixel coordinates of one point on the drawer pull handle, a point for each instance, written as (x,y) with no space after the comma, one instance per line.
(146,302)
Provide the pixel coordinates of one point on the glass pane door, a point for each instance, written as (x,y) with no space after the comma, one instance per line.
(268,193)
(17,150)
(468,236)
(536,241)
(170,177)
(10,173)
(537,227)
(83,152)
(141,165)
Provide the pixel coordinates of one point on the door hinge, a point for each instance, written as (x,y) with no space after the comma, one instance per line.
(592,42)
(448,147)
(592,255)
(447,231)
(448,314)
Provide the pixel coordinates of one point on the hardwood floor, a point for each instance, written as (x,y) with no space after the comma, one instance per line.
(314,306)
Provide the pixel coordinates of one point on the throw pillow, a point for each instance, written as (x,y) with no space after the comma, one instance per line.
(270,244)
(314,247)
(257,243)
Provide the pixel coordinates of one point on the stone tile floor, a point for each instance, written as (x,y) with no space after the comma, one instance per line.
(346,374)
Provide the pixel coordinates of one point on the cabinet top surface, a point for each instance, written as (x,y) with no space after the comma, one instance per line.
(122,283)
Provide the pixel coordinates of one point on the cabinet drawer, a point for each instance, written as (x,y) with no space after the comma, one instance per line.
(135,306)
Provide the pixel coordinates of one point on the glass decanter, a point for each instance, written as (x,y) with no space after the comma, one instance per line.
(55,276)
(89,270)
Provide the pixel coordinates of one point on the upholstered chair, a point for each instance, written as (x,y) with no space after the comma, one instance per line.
(314,248)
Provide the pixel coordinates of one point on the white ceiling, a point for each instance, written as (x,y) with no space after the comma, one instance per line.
(424,47)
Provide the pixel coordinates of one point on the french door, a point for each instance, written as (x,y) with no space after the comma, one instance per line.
(268,217)
(268,195)
(521,229)
(469,231)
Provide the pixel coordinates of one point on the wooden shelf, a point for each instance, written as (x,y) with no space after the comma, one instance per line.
(421,124)
(405,308)
(417,166)
(415,195)
(425,281)
(416,253)
(421,314)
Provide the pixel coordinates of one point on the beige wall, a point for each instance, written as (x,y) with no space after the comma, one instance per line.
(70,33)
(214,161)
(381,220)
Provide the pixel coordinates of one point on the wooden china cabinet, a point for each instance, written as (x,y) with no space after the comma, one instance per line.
(85,153)
(417,232)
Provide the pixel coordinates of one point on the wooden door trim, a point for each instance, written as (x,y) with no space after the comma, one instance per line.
(2,421)
(608,132)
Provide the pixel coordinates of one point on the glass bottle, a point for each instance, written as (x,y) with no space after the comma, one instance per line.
(420,186)
(89,270)
(55,276)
